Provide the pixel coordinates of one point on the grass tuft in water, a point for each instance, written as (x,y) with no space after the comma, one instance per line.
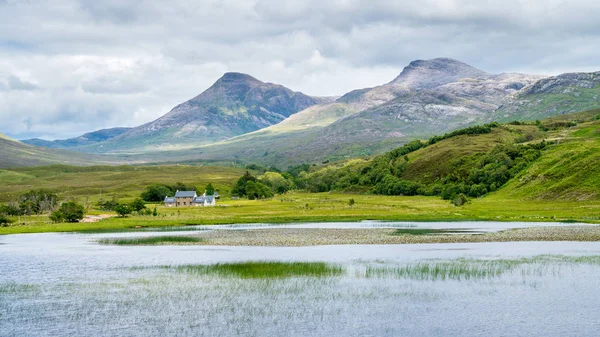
(193,228)
(430,231)
(467,269)
(152,240)
(262,269)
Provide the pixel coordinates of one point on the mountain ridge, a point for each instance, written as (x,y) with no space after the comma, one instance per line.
(235,104)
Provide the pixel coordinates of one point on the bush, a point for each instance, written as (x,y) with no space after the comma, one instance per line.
(137,205)
(69,212)
(11,210)
(123,210)
(351,202)
(598,117)
(108,205)
(5,221)
(460,200)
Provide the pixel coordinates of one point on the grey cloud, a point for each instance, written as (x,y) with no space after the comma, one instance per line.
(105,85)
(111,63)
(15,83)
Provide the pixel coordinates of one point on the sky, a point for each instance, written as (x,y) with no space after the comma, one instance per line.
(72,66)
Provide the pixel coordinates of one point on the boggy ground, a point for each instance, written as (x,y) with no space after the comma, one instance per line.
(294,237)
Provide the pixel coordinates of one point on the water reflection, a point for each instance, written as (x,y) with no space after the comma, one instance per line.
(63,285)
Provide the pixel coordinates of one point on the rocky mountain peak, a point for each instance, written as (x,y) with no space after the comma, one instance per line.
(427,74)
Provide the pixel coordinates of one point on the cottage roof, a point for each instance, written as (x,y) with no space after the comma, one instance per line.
(209,198)
(170,199)
(185,194)
(199,199)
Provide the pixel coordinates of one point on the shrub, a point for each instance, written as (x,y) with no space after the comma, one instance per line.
(460,200)
(5,221)
(11,210)
(123,210)
(137,205)
(69,212)
(351,202)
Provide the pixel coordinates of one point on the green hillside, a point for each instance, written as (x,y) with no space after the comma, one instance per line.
(556,159)
(569,170)
(94,182)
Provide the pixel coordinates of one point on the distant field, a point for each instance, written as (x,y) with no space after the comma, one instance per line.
(124,182)
(306,207)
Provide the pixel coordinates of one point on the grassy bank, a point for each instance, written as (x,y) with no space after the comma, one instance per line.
(328,207)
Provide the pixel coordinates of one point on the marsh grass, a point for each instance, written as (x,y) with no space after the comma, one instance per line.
(191,228)
(430,231)
(471,269)
(263,269)
(13,288)
(153,240)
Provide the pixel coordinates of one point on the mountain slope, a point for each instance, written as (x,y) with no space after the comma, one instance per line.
(14,154)
(427,98)
(83,140)
(500,162)
(236,104)
(553,96)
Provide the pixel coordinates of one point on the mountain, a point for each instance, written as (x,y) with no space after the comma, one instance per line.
(15,154)
(241,119)
(235,104)
(428,97)
(553,96)
(83,140)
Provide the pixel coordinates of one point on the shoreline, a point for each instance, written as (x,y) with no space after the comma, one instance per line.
(295,237)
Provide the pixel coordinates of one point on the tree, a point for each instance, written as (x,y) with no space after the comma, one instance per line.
(156,192)
(154,212)
(37,202)
(137,205)
(351,202)
(210,190)
(68,211)
(123,210)
(240,186)
(276,181)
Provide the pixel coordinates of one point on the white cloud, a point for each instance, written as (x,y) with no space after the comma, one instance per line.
(74,66)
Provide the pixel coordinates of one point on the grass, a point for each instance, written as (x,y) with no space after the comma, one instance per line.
(331,207)
(429,231)
(153,240)
(89,184)
(263,270)
(468,269)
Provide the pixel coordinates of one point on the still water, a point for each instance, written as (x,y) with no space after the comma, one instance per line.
(68,285)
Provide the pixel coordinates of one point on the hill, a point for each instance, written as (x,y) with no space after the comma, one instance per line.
(14,154)
(235,104)
(552,160)
(83,140)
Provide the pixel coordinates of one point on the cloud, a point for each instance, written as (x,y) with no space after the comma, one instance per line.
(15,83)
(79,65)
